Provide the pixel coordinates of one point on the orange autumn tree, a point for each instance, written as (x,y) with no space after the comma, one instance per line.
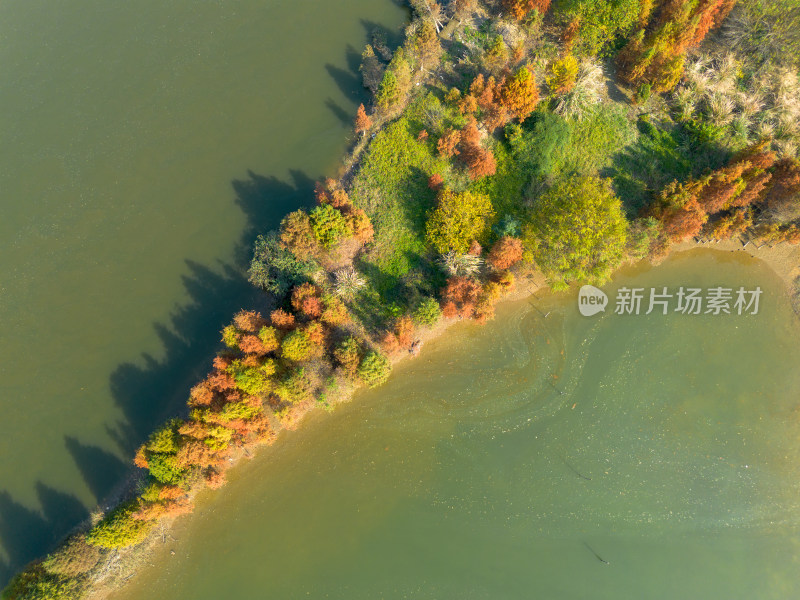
(522,8)
(684,208)
(480,161)
(655,54)
(520,95)
(460,297)
(363,122)
(400,338)
(505,253)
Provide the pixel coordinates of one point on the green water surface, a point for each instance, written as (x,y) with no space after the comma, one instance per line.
(142,145)
(507,460)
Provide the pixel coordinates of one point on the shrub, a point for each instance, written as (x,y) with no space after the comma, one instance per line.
(585,93)
(461,264)
(563,74)
(643,93)
(119,528)
(348,355)
(297,346)
(329,225)
(374,369)
(347,282)
(458,220)
(427,312)
(765,31)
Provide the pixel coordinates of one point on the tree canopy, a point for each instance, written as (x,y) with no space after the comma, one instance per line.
(577,230)
(459,219)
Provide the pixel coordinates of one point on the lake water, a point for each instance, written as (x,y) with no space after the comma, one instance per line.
(143,145)
(508,460)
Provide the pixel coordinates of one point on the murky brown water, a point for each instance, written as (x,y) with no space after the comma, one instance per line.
(672,454)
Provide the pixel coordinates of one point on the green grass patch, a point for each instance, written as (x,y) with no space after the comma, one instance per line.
(392,187)
(549,147)
(505,188)
(661,153)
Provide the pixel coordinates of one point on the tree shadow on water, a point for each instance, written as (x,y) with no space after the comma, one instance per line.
(25,532)
(151,390)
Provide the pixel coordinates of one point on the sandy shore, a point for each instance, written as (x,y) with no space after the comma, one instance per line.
(782,258)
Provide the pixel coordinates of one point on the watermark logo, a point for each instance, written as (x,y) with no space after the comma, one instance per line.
(684,300)
(591,300)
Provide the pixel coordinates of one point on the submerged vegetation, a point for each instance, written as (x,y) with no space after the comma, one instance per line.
(504,137)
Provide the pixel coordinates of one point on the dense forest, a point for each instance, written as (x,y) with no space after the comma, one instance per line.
(504,137)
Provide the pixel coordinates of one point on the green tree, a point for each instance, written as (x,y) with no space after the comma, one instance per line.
(601,21)
(252,380)
(577,231)
(374,369)
(295,387)
(276,269)
(389,92)
(330,225)
(348,355)
(239,410)
(230,336)
(396,82)
(165,439)
(119,528)
(459,219)
(35,583)
(73,559)
(165,468)
(297,346)
(427,312)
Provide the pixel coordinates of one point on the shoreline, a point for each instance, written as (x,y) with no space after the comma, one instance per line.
(778,259)
(783,259)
